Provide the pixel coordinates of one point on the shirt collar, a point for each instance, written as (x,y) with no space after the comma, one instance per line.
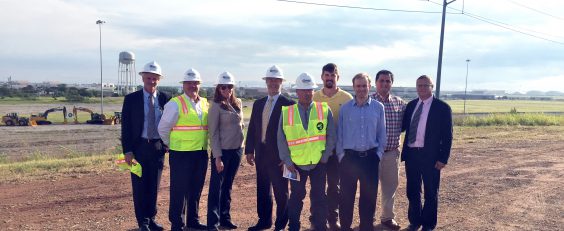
(381,98)
(428,100)
(304,108)
(194,101)
(147,94)
(368,101)
(274,97)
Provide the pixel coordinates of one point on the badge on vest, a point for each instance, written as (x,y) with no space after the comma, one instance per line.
(320,126)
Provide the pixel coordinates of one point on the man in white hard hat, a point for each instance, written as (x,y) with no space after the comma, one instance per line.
(140,140)
(184,130)
(335,97)
(306,138)
(262,142)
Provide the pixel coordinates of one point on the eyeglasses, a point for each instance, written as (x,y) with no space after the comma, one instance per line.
(424,85)
(224,87)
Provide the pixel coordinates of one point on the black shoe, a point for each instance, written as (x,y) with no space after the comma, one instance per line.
(153,225)
(260,226)
(197,225)
(426,229)
(144,228)
(227,225)
(413,227)
(213,228)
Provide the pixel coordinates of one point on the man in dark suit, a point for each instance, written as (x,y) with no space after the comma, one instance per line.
(261,140)
(140,140)
(426,149)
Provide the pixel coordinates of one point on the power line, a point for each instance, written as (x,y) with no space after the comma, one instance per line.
(463,12)
(533,9)
(504,25)
(364,8)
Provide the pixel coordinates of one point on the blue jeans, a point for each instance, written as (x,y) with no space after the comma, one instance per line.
(219,197)
(317,197)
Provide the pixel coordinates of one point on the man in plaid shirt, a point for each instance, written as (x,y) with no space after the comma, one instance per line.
(394,108)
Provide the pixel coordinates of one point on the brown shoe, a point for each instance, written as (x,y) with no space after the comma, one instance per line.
(391,224)
(334,226)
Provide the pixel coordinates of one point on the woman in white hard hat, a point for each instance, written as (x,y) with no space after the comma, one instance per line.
(225,127)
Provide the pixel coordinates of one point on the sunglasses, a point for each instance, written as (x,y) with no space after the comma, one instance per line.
(224,87)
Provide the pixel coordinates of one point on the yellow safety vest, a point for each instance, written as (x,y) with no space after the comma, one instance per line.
(190,133)
(305,146)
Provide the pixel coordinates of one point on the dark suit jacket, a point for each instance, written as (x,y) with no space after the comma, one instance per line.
(438,133)
(255,126)
(133,117)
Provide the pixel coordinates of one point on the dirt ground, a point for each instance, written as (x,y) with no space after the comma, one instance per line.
(497,179)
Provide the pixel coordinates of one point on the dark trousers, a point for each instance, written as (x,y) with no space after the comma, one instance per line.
(145,188)
(187,176)
(333,191)
(317,197)
(419,168)
(269,173)
(363,167)
(219,197)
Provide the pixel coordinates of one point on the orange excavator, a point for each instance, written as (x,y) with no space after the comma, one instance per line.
(96,118)
(41,119)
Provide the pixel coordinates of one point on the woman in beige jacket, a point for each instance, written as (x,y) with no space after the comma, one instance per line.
(225,126)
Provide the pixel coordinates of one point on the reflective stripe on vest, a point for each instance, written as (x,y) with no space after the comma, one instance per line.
(305,146)
(190,133)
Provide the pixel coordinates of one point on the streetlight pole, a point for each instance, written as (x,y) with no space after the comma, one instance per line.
(466,85)
(99,23)
(439,66)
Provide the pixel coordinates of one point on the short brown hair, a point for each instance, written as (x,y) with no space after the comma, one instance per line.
(361,75)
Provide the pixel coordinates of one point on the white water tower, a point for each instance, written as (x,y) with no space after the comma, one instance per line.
(127,76)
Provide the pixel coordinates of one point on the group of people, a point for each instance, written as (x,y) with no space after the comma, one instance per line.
(336,140)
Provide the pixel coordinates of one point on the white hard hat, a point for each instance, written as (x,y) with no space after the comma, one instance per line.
(152,67)
(274,72)
(225,78)
(192,75)
(305,82)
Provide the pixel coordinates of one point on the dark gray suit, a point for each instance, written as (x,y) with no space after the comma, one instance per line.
(420,162)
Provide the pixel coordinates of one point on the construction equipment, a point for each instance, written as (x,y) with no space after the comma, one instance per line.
(12,119)
(96,118)
(41,119)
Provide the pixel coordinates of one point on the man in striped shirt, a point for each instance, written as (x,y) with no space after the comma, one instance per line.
(394,108)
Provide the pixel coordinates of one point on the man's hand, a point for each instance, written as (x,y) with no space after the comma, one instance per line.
(250,159)
(292,168)
(129,158)
(439,165)
(218,164)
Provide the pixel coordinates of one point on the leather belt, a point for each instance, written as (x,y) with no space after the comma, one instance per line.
(150,140)
(360,153)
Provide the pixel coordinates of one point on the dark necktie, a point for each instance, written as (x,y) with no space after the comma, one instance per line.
(151,125)
(412,136)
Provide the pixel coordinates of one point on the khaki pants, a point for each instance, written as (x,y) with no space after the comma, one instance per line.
(388,172)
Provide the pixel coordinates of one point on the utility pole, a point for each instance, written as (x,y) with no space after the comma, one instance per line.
(99,23)
(466,85)
(439,66)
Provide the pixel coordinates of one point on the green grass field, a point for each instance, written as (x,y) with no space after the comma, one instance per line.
(485,106)
(51,100)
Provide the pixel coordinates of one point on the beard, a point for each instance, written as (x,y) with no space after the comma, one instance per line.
(329,84)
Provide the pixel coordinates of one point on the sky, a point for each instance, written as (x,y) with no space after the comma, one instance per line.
(58,40)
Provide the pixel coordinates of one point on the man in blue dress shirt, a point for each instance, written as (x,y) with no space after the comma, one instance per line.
(361,138)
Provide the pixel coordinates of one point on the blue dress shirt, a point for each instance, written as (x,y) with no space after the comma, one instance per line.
(158,112)
(361,127)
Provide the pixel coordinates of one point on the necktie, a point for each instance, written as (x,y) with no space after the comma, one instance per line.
(266,117)
(414,124)
(151,125)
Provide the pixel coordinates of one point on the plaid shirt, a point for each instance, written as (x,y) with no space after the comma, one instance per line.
(394,108)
